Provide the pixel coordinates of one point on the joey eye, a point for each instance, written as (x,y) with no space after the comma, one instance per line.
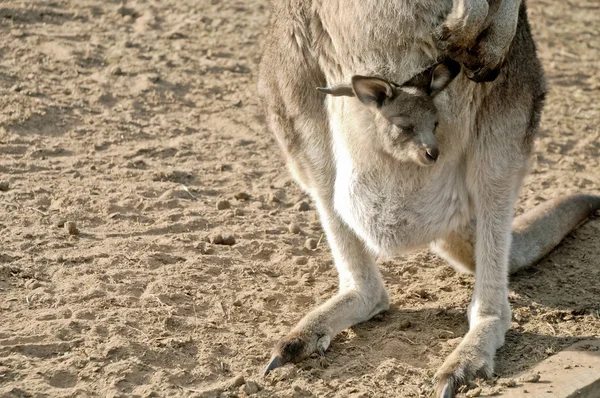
(435,125)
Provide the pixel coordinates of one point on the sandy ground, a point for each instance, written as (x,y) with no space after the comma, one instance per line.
(134,120)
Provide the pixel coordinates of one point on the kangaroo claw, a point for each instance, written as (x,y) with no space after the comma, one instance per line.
(447,392)
(275,362)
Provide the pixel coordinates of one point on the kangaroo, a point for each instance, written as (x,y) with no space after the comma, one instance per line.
(409,109)
(372,202)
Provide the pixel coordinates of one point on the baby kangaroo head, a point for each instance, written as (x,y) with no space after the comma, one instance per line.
(408,110)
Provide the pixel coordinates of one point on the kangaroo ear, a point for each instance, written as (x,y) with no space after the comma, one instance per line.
(442,75)
(340,90)
(372,90)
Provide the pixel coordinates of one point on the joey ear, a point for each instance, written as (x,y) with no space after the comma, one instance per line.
(372,90)
(442,75)
(340,90)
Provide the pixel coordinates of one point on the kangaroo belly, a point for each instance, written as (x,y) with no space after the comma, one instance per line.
(404,207)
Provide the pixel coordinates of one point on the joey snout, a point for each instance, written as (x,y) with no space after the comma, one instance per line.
(425,151)
(427,156)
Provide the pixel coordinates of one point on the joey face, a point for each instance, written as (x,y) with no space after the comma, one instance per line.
(406,117)
(408,128)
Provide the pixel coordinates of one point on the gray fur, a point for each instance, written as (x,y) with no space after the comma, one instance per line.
(372,202)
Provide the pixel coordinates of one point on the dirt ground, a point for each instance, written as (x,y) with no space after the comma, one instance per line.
(134,120)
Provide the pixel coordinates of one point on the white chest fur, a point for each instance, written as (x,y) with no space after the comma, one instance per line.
(392,205)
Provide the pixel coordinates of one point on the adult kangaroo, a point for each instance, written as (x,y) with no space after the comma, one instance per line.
(461,203)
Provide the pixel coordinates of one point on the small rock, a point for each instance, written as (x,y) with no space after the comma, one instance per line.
(204,248)
(285,373)
(405,324)
(302,206)
(71,228)
(273,198)
(228,240)
(533,378)
(510,383)
(46,317)
(32,284)
(311,244)
(223,167)
(307,279)
(216,239)
(315,226)
(419,292)
(4,186)
(242,196)
(256,205)
(116,71)
(238,212)
(251,387)
(294,228)
(301,260)
(223,205)
(237,381)
(168,194)
(153,78)
(474,393)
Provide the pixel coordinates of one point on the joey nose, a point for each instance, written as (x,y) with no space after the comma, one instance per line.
(432,154)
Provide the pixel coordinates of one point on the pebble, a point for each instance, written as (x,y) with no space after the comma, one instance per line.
(533,378)
(405,324)
(238,212)
(302,206)
(216,239)
(256,205)
(311,244)
(315,226)
(242,196)
(286,372)
(204,248)
(71,228)
(32,284)
(301,260)
(116,71)
(419,292)
(228,240)
(510,383)
(251,388)
(153,78)
(168,194)
(307,279)
(223,205)
(4,185)
(273,198)
(294,228)
(223,167)
(237,381)
(474,393)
